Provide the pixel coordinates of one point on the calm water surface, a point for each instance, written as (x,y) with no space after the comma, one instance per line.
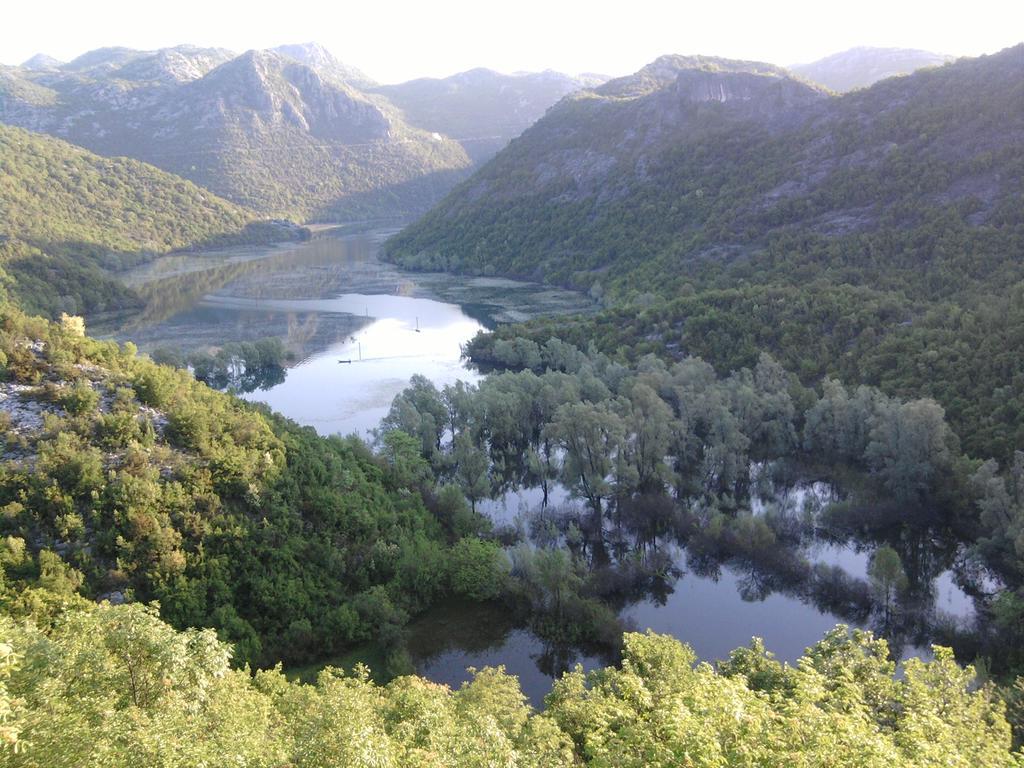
(358,328)
(713,605)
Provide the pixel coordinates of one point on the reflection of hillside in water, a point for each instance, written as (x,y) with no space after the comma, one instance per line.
(177,316)
(317,269)
(179,289)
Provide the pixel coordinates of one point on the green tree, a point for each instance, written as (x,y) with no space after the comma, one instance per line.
(591,436)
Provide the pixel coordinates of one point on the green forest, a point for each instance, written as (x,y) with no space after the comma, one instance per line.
(143,485)
(175,560)
(71,219)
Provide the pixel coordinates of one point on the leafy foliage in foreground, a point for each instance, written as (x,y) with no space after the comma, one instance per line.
(108,685)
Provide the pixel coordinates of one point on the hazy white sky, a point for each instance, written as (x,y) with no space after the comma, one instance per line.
(397,40)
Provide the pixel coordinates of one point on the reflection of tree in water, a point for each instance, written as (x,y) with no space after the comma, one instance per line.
(637,548)
(555,659)
(469,627)
(301,332)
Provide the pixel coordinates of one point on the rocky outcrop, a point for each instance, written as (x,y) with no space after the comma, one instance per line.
(42,62)
(324,63)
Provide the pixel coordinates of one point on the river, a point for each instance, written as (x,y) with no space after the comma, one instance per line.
(358,329)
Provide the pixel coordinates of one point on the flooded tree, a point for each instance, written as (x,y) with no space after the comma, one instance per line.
(888,579)
(591,436)
(911,446)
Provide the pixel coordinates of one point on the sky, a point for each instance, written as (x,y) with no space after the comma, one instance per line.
(398,40)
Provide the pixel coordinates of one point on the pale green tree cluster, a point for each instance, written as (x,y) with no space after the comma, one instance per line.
(1001,504)
(606,432)
(115,686)
(600,429)
(840,705)
(908,445)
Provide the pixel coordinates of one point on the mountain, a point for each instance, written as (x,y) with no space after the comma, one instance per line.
(70,217)
(721,208)
(261,129)
(693,157)
(168,65)
(318,58)
(42,61)
(863,66)
(481,109)
(663,133)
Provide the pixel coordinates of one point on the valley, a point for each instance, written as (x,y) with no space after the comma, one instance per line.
(530,419)
(331,300)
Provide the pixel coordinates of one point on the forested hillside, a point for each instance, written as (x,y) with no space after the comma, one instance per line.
(722,208)
(69,218)
(115,686)
(126,480)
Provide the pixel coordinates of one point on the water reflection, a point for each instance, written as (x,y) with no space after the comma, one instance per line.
(787,566)
(328,299)
(350,385)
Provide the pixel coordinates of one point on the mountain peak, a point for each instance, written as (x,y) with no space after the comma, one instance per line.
(106,58)
(311,54)
(180,64)
(41,61)
(666,70)
(325,63)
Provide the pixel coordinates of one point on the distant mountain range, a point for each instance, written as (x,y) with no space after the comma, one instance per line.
(288,131)
(482,109)
(863,66)
(698,157)
(263,129)
(293,131)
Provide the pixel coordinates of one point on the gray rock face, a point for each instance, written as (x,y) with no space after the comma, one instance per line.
(607,138)
(42,62)
(174,65)
(322,61)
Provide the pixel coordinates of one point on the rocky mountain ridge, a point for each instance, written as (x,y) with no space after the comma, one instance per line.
(262,129)
(286,131)
(481,108)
